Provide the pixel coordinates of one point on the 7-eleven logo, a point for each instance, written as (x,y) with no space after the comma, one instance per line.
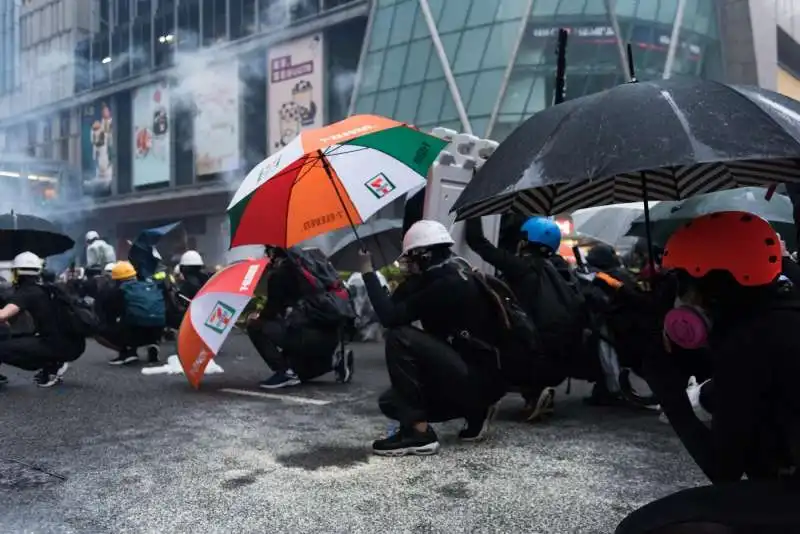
(220,318)
(380,185)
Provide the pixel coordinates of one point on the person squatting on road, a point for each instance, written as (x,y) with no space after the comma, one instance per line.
(193,274)
(436,374)
(555,308)
(49,348)
(732,300)
(132,314)
(297,344)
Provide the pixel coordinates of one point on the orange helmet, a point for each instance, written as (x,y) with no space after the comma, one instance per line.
(740,243)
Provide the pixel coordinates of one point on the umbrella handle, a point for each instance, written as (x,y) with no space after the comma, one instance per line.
(328,172)
(647,230)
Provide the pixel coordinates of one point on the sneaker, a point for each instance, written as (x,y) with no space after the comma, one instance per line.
(281,380)
(544,406)
(47,378)
(124,357)
(477,429)
(407,442)
(153,352)
(344,368)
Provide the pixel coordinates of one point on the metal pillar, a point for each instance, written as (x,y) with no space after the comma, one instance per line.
(673,40)
(509,69)
(611,7)
(448,72)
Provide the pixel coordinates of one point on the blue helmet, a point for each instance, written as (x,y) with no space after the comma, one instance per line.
(542,231)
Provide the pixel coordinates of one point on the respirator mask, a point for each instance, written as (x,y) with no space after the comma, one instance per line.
(687,325)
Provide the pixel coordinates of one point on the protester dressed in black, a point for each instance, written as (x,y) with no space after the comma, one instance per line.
(730,300)
(436,374)
(48,349)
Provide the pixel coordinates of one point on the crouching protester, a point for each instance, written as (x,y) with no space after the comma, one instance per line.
(51,345)
(732,300)
(132,314)
(299,329)
(437,374)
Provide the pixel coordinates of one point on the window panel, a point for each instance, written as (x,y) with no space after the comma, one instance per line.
(385,103)
(450,45)
(465,84)
(571,7)
(540,97)
(418,55)
(431,102)
(393,67)
(420,27)
(647,10)
(372,72)
(454,16)
(501,42)
(365,104)
(626,8)
(666,12)
(471,50)
(479,125)
(381,27)
(595,7)
(434,66)
(517,92)
(448,112)
(486,92)
(511,9)
(407,103)
(544,8)
(403,24)
(482,12)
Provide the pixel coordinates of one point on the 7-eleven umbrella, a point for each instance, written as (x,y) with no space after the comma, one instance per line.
(213,313)
(330,178)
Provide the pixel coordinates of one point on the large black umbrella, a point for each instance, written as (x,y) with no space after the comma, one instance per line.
(661,140)
(20,233)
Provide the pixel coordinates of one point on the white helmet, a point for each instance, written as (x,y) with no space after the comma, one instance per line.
(27,263)
(91,235)
(108,268)
(426,233)
(191,258)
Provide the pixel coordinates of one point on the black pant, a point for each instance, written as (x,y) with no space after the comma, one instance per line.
(121,336)
(308,351)
(33,353)
(744,507)
(431,381)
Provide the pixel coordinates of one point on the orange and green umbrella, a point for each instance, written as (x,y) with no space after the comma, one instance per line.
(329,178)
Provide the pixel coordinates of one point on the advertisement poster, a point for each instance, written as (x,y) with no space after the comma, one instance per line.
(151,135)
(97,148)
(294,92)
(216,122)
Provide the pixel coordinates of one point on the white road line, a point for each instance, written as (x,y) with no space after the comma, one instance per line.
(287,398)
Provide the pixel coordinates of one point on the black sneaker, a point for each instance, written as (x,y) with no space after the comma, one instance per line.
(280,380)
(153,352)
(344,368)
(49,377)
(476,429)
(407,442)
(124,357)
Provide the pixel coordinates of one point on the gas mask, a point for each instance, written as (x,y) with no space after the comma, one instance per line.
(687,325)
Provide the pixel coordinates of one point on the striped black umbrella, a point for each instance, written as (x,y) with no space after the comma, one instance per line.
(659,140)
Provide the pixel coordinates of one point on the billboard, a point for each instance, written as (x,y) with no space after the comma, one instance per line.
(216,121)
(295,89)
(151,135)
(97,148)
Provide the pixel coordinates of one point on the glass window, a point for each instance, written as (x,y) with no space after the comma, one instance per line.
(479,125)
(504,126)
(188,25)
(214,21)
(372,72)
(407,103)
(544,8)
(365,104)
(541,95)
(164,37)
(666,12)
(450,45)
(431,102)
(486,92)
(418,55)
(571,7)
(626,8)
(501,42)
(434,66)
(243,18)
(420,27)
(702,17)
(482,12)
(454,16)
(647,10)
(510,9)
(595,7)
(393,66)
(437,8)
(465,83)
(403,22)
(517,93)
(385,103)
(381,27)
(382,3)
(449,112)
(471,50)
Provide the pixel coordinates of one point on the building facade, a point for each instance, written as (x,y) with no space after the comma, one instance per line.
(123,114)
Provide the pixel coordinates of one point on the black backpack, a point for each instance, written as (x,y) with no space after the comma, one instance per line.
(76,318)
(327,302)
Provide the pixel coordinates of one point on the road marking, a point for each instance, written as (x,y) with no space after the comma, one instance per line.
(287,398)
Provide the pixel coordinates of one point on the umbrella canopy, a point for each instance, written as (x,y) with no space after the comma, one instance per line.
(21,233)
(677,137)
(143,254)
(213,313)
(383,238)
(608,224)
(670,216)
(330,178)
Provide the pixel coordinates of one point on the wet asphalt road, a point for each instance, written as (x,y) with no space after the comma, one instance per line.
(148,454)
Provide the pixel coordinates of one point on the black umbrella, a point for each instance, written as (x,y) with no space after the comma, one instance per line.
(661,140)
(20,233)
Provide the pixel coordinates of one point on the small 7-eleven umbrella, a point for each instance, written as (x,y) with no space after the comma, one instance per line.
(329,178)
(213,313)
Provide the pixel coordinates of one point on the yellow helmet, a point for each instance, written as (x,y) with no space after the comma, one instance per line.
(123,270)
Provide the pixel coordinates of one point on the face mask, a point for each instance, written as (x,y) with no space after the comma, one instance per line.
(687,326)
